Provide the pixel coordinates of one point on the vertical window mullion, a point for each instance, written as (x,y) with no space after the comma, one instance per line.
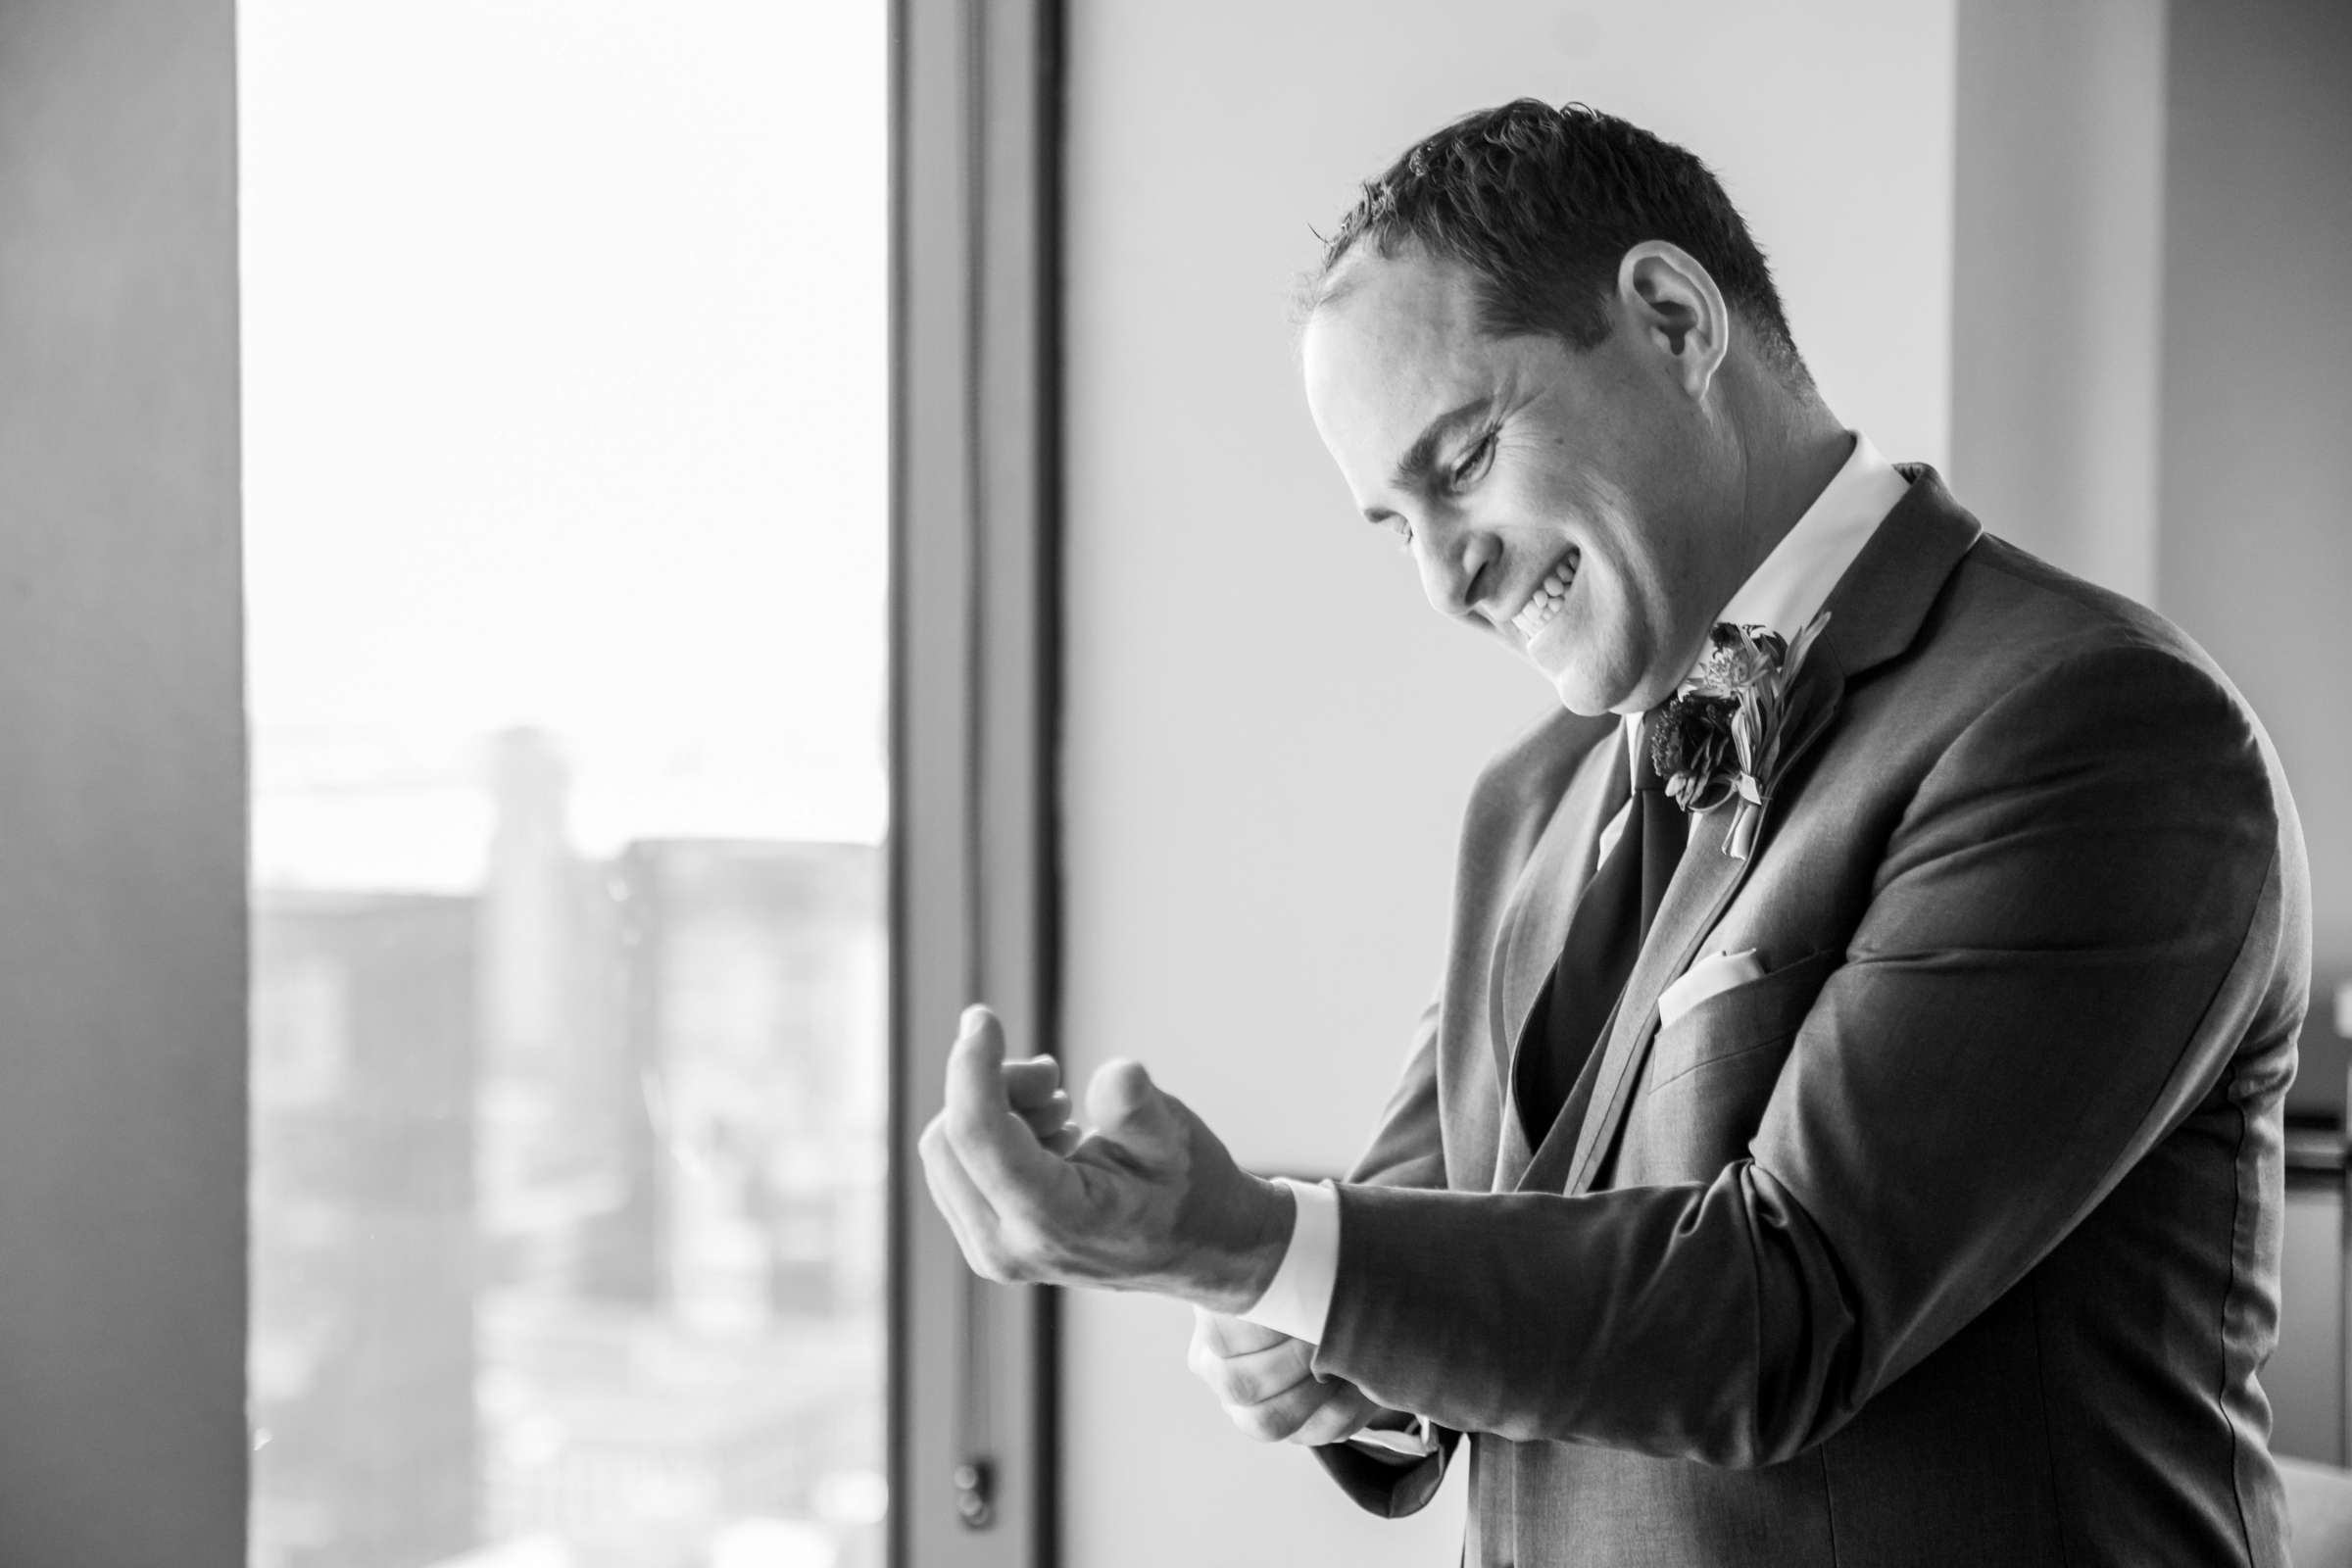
(972,844)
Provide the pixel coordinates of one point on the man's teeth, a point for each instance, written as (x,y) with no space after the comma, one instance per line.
(1548,597)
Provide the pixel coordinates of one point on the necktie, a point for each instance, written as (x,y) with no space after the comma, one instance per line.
(1604,934)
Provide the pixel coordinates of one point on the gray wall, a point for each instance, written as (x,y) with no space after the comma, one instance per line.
(2058,195)
(121,791)
(2255,477)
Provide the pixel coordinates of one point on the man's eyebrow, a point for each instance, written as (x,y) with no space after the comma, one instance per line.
(1422,454)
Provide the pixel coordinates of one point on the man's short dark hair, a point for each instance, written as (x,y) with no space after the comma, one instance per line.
(1542,204)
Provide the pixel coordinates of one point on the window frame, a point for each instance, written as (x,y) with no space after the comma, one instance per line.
(122,1128)
(975,625)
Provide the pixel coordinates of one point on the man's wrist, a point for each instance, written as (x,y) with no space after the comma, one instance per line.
(1261,1236)
(1297,1301)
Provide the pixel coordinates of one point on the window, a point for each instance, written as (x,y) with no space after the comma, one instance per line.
(566,510)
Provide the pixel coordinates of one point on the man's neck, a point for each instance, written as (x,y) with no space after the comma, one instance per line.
(1792,449)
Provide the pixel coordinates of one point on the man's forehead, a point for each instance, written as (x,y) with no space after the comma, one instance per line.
(1398,346)
(1412,301)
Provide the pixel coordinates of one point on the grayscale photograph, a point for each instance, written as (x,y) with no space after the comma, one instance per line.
(1087,784)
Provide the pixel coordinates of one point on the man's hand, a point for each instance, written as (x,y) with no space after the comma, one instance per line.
(1263,1379)
(1148,1200)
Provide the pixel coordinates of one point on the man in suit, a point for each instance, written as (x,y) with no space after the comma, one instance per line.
(1848,1125)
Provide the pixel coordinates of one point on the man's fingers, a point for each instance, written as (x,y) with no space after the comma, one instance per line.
(1257,1376)
(966,1210)
(1128,1108)
(1242,1363)
(1033,1089)
(1232,1336)
(1031,1082)
(1000,1155)
(1338,1417)
(1270,1390)
(1049,1115)
(1290,1415)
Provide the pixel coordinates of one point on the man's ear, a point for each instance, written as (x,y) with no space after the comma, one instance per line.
(1669,298)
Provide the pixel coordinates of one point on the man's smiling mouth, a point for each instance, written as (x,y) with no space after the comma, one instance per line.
(1549,597)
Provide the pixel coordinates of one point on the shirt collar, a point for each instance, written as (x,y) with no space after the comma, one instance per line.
(1793,582)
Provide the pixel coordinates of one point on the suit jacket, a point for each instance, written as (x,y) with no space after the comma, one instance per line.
(1953,1239)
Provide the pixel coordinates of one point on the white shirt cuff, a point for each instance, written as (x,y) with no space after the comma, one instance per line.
(1412,1442)
(1299,1299)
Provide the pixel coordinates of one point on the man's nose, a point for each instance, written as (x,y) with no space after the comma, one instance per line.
(1457,566)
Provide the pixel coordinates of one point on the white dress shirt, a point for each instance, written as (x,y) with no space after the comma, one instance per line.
(1784,593)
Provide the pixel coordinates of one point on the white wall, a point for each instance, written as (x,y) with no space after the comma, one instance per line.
(121,791)
(2058,248)
(1268,733)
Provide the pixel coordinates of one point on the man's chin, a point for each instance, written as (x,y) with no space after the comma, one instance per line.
(1579,693)
(1582,676)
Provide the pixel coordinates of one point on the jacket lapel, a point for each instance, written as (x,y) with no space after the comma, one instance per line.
(1875,611)
(1541,905)
(1546,895)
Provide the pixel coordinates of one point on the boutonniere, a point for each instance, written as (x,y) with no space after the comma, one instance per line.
(1721,730)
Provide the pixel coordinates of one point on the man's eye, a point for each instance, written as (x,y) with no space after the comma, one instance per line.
(1474,464)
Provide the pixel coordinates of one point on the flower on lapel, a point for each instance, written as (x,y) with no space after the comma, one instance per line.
(1721,731)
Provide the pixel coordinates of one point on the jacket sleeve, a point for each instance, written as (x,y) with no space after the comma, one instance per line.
(1406,1151)
(2085,909)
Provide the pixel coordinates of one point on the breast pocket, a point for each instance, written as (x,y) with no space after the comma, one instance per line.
(1711,1073)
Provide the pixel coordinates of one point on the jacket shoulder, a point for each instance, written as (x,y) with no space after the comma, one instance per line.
(1524,781)
(2037,616)
(2064,677)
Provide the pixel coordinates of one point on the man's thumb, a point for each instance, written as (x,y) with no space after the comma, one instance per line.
(1128,1108)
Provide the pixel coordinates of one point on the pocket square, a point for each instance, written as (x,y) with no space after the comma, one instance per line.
(1710,976)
